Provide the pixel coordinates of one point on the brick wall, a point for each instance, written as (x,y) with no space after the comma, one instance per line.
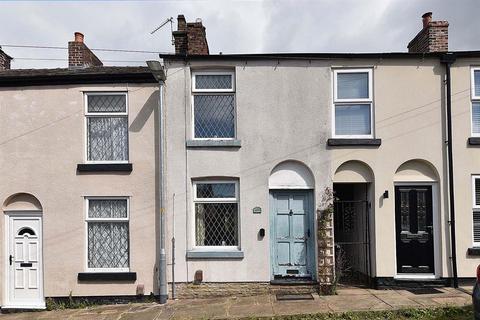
(80,56)
(190,38)
(4,61)
(432,38)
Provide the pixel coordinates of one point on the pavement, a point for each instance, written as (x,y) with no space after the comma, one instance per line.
(347,299)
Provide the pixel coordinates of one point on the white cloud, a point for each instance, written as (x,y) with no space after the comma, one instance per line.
(232,26)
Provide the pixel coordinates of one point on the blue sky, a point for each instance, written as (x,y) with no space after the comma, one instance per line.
(233,26)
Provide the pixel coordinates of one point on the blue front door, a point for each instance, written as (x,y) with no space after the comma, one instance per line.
(292,233)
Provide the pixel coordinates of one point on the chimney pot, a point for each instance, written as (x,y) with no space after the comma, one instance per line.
(79,37)
(190,38)
(426,19)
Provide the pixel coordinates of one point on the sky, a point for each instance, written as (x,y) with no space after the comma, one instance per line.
(233,26)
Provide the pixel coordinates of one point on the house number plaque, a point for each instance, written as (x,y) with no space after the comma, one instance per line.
(257,210)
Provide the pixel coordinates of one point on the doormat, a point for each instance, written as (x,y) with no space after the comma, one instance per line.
(293,297)
(425,291)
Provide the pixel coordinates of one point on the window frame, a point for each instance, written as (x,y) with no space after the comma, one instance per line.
(473,98)
(195,200)
(114,220)
(198,92)
(475,208)
(104,115)
(360,101)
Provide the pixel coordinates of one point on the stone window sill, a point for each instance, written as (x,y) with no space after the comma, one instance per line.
(474,141)
(214,143)
(213,255)
(104,167)
(475,251)
(339,142)
(107,276)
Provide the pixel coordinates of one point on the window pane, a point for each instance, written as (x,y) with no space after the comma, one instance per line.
(107,138)
(108,245)
(476,76)
(216,224)
(103,208)
(352,119)
(476,226)
(352,85)
(214,116)
(216,190)
(476,117)
(107,103)
(214,81)
(477,192)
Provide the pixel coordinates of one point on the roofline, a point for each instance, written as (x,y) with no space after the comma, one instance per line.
(319,56)
(66,79)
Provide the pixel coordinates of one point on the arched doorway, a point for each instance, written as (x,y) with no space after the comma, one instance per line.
(24,265)
(292,239)
(353,188)
(416,220)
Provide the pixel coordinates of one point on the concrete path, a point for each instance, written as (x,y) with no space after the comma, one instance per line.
(348,299)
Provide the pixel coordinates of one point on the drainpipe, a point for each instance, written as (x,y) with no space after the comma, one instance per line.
(159,74)
(448,59)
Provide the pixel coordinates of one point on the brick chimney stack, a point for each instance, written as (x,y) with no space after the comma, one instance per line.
(432,38)
(4,60)
(79,55)
(190,38)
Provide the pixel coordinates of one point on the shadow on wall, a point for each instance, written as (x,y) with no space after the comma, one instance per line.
(145,113)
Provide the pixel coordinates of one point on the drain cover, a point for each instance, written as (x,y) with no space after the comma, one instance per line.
(292,297)
(425,291)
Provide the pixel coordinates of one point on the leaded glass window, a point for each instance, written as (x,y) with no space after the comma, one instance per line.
(213,105)
(216,214)
(108,234)
(107,127)
(353,103)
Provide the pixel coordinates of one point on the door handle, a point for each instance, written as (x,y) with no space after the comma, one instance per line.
(11,259)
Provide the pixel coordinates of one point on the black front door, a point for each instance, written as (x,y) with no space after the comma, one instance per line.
(414,229)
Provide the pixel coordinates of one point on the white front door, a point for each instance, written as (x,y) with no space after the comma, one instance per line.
(24,262)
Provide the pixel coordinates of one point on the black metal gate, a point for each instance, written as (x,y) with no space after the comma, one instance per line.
(352,241)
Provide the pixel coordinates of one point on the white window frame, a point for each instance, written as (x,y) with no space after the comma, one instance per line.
(105,114)
(475,208)
(236,200)
(363,101)
(87,220)
(474,98)
(197,92)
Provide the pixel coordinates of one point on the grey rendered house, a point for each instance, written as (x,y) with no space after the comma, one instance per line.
(254,146)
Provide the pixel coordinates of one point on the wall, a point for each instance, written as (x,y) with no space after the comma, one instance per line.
(466,163)
(42,139)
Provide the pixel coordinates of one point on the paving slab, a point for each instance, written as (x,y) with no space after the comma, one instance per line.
(356,303)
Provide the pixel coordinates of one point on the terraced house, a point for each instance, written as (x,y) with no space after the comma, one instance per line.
(221,174)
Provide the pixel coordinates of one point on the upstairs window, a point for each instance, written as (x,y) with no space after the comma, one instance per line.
(213,105)
(352,100)
(216,213)
(475,102)
(107,127)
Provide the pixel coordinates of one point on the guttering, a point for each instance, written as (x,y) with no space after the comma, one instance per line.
(159,74)
(448,59)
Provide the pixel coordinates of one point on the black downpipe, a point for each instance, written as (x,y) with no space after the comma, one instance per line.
(448,59)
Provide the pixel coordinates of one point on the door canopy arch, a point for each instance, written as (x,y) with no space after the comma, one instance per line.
(416,170)
(22,202)
(353,171)
(291,175)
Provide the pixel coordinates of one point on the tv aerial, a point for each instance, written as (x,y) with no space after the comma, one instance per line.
(163,24)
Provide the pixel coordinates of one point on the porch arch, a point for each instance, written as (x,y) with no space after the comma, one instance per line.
(416,170)
(291,174)
(353,171)
(22,202)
